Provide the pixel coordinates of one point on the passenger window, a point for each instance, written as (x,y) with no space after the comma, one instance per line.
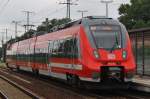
(55,48)
(75,47)
(50,46)
(64,48)
(67,47)
(61,47)
(70,45)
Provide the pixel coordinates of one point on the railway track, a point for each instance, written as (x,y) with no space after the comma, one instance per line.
(113,94)
(27,93)
(131,96)
(91,94)
(55,92)
(118,94)
(2,95)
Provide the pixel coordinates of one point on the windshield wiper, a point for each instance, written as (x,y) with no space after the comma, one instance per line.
(116,43)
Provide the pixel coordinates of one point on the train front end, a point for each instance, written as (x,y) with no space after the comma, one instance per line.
(107,52)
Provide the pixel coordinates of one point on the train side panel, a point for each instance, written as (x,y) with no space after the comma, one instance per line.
(11,57)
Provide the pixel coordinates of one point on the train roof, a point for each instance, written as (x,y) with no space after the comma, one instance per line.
(88,18)
(91,20)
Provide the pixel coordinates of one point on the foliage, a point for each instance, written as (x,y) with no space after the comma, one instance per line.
(28,34)
(0,52)
(47,25)
(136,14)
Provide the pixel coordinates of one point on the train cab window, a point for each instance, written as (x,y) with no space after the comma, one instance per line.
(107,37)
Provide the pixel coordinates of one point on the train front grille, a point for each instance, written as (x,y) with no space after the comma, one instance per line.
(112,73)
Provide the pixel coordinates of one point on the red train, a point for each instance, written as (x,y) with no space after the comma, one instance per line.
(92,49)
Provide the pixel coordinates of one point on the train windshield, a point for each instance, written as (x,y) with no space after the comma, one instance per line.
(107,37)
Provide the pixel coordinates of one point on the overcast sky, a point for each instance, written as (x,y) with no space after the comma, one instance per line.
(13,10)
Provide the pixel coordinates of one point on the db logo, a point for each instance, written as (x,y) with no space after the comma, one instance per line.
(111,56)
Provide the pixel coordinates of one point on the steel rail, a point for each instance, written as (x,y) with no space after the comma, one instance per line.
(130,96)
(2,95)
(55,83)
(26,91)
(64,87)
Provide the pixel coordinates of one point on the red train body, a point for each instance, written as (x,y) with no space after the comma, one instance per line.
(90,49)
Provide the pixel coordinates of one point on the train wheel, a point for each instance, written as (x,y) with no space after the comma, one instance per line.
(68,79)
(73,80)
(18,69)
(35,72)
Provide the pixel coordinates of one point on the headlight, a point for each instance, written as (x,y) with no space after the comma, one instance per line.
(124,54)
(96,54)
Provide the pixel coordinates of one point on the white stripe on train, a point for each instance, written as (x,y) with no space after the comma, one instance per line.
(60,75)
(66,66)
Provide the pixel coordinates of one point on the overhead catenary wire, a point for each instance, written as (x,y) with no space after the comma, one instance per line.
(1,2)
(50,12)
(27,25)
(53,12)
(40,20)
(4,6)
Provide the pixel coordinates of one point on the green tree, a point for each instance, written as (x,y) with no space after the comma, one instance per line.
(0,52)
(47,25)
(136,14)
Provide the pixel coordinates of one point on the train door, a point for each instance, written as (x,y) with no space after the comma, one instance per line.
(72,78)
(50,46)
(69,48)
